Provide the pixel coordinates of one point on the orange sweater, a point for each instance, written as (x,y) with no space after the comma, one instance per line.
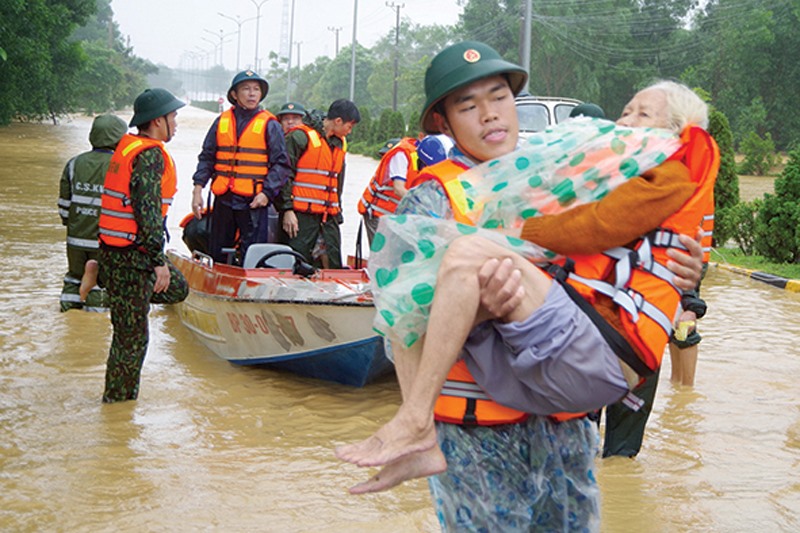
(631,210)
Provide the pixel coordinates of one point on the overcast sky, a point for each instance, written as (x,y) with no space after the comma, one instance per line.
(166,31)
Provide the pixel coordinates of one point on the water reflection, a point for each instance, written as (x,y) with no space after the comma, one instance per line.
(211,446)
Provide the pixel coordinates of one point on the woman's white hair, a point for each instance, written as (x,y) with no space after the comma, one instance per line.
(685,107)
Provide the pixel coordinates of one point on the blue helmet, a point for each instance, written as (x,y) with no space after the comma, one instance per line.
(433,149)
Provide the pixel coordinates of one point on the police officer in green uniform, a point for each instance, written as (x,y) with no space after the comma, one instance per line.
(79,208)
(138,273)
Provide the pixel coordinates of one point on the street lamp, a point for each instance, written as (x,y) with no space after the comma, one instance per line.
(221,37)
(215,45)
(239,23)
(258,23)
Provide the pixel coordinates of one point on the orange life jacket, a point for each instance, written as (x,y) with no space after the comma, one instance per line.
(636,278)
(462,401)
(379,197)
(241,163)
(117,224)
(647,321)
(316,180)
(700,153)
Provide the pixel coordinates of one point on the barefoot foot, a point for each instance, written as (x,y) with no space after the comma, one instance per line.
(421,464)
(399,437)
(89,279)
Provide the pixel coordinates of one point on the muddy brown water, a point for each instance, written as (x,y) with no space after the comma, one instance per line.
(214,447)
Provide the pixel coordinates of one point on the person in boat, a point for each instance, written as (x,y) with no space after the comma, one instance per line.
(139,186)
(244,157)
(290,115)
(398,164)
(484,443)
(310,204)
(79,208)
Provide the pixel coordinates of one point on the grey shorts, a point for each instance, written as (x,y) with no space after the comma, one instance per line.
(554,361)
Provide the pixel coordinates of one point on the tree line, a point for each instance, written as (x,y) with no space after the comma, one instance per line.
(63,56)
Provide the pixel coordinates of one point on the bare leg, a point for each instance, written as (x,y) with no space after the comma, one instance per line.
(89,279)
(454,311)
(684,364)
(415,465)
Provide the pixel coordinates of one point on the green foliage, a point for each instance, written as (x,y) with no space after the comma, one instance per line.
(755,262)
(390,125)
(64,56)
(778,221)
(738,222)
(726,188)
(759,154)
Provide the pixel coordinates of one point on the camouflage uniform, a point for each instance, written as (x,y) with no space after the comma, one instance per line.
(79,208)
(129,277)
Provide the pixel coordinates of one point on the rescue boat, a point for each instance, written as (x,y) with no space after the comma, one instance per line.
(278,312)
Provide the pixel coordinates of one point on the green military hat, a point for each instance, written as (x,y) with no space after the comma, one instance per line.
(291,108)
(153,103)
(247,75)
(587,109)
(459,65)
(391,143)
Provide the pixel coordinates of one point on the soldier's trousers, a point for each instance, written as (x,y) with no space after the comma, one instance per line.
(130,292)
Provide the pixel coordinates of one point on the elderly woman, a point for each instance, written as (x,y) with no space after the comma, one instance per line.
(522,346)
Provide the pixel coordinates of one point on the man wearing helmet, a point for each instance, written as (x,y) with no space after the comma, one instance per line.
(244,157)
(139,186)
(495,468)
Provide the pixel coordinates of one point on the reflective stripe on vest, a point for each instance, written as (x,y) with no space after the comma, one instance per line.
(242,163)
(379,197)
(117,224)
(316,179)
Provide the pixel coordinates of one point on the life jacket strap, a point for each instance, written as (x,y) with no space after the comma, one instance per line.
(615,340)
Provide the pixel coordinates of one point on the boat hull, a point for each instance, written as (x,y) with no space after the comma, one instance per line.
(319,328)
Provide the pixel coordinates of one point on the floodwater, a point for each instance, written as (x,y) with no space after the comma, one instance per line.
(214,447)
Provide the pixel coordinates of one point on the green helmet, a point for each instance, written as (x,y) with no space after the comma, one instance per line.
(459,65)
(153,103)
(388,145)
(291,108)
(246,75)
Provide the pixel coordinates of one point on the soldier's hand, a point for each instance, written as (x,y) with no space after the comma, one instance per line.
(290,224)
(501,287)
(260,200)
(162,278)
(687,268)
(197,202)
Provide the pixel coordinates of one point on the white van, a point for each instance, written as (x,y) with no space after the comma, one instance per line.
(538,112)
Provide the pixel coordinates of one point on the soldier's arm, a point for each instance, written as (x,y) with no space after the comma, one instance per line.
(148,168)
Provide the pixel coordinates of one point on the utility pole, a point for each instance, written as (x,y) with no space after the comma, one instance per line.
(336,32)
(289,59)
(526,42)
(396,7)
(298,43)
(353,54)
